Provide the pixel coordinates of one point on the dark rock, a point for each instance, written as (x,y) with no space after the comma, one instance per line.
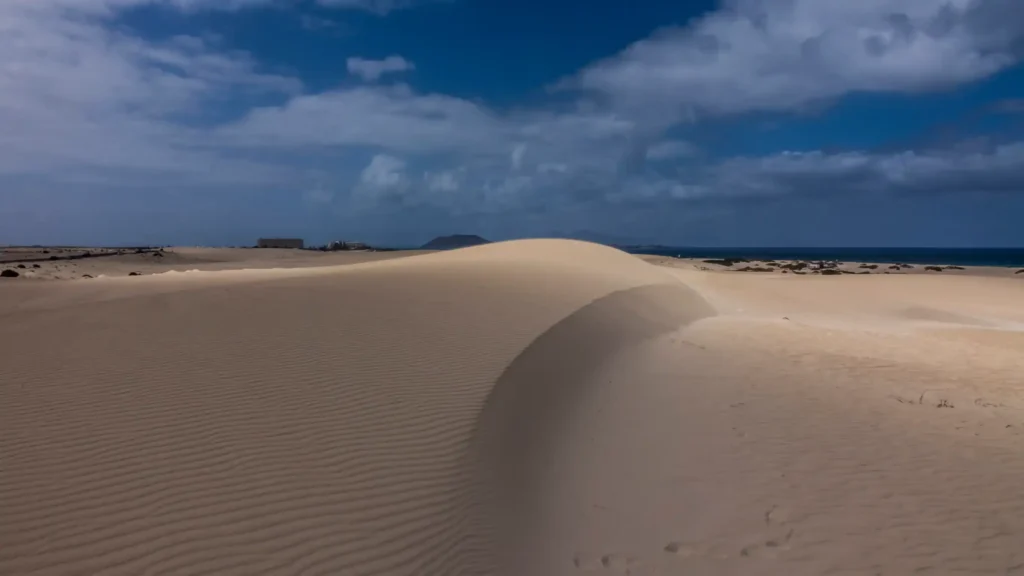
(830,272)
(894,267)
(934,268)
(9,273)
(54,258)
(1021,271)
(726,261)
(794,265)
(869,266)
(86,276)
(954,268)
(46,251)
(755,269)
(158,254)
(35,265)
(21,265)
(134,274)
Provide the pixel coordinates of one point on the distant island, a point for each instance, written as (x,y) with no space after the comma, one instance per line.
(455,241)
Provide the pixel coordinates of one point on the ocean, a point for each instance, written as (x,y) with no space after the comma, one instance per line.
(1008,257)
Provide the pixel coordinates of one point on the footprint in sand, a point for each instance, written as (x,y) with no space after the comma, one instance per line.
(586,564)
(903,399)
(926,398)
(986,403)
(680,549)
(776,516)
(608,561)
(768,548)
(617,561)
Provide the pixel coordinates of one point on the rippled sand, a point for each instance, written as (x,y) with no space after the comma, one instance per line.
(531,407)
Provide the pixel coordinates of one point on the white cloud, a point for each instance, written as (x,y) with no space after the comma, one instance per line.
(445,181)
(776,55)
(392,117)
(75,93)
(384,171)
(372,70)
(670,149)
(517,156)
(381,183)
(310,22)
(380,7)
(83,100)
(998,170)
(552,168)
(318,194)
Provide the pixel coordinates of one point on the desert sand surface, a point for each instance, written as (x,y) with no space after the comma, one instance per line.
(531,407)
(70,263)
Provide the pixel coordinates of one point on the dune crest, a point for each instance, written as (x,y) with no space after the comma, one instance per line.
(537,407)
(362,419)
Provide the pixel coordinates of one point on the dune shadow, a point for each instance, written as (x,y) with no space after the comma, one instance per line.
(527,410)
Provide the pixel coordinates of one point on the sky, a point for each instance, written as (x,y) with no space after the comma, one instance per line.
(706,123)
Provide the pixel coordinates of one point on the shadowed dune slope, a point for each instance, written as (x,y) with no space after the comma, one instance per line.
(364,419)
(544,394)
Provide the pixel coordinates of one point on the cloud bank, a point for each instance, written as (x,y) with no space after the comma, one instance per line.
(372,70)
(88,105)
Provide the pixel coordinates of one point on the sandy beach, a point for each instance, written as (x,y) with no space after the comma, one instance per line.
(54,263)
(541,407)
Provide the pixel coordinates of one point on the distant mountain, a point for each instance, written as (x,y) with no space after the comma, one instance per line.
(454,241)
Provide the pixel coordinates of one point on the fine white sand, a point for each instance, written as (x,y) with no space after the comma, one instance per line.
(532,407)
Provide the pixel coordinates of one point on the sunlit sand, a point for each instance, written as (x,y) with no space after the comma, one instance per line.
(531,407)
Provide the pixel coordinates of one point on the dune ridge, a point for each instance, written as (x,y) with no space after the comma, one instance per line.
(543,391)
(530,407)
(338,420)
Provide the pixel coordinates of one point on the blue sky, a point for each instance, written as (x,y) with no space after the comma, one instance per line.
(714,123)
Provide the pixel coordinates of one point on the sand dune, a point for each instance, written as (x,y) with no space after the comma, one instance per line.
(298,421)
(531,407)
